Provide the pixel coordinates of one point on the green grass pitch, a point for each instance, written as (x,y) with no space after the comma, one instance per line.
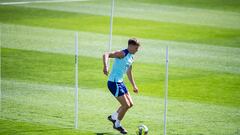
(37,66)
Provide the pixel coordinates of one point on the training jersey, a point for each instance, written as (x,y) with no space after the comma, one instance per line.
(120,67)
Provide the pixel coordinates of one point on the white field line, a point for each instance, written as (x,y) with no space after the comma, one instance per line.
(29,2)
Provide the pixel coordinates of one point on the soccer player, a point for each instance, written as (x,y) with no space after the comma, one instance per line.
(122,64)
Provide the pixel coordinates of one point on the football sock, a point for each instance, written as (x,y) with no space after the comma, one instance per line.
(117,123)
(114,116)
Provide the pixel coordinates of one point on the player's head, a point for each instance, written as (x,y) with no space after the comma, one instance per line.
(133,45)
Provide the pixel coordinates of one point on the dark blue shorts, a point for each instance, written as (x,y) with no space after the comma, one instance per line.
(117,88)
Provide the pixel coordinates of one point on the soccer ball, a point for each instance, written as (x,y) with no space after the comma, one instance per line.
(142,130)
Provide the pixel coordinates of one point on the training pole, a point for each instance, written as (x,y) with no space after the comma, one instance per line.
(1,71)
(76,79)
(111,25)
(166,94)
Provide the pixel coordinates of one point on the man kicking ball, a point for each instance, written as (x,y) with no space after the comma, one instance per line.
(122,64)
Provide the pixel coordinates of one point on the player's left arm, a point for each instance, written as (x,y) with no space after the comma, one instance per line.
(131,79)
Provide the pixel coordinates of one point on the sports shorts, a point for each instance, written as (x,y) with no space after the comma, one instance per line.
(117,88)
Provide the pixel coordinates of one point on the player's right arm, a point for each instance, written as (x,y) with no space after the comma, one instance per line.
(107,55)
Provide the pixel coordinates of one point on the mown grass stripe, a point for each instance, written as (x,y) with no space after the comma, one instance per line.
(9,126)
(53,105)
(198,56)
(229,5)
(122,26)
(184,83)
(152,12)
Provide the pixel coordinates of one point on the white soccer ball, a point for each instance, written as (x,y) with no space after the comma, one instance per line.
(142,130)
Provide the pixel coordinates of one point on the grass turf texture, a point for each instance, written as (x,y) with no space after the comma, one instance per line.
(185,84)
(139,28)
(49,79)
(231,5)
(26,128)
(53,105)
(38,75)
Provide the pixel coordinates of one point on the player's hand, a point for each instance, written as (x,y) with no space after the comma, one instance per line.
(135,89)
(105,70)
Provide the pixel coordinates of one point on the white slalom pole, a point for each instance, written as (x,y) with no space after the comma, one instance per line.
(166,94)
(111,25)
(1,71)
(76,79)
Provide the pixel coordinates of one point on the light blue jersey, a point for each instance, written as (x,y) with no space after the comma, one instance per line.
(120,67)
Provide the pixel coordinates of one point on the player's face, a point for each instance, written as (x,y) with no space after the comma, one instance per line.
(133,49)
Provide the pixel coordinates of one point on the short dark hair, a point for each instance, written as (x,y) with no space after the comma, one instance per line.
(133,41)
